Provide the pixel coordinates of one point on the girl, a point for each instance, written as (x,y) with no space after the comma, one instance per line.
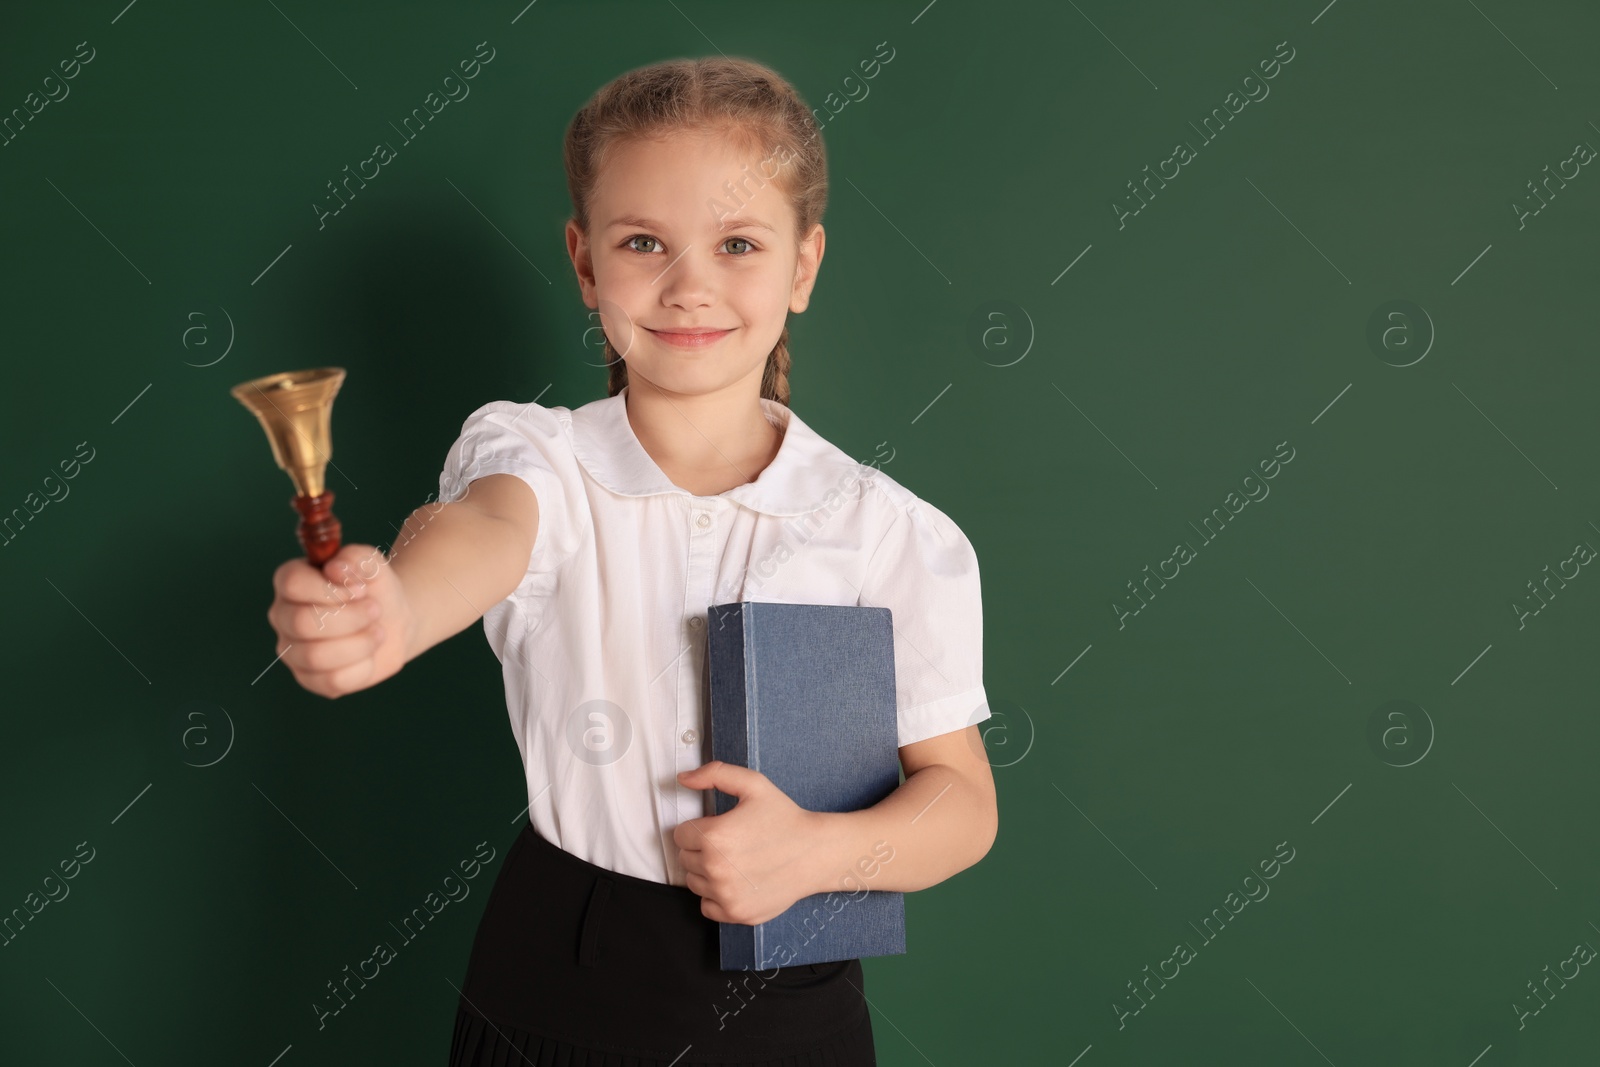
(592,542)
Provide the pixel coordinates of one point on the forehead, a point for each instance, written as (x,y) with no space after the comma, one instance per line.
(691,181)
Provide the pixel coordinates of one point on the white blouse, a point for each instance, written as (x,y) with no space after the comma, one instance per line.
(602,644)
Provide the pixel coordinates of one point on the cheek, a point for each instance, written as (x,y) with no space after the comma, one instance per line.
(768,296)
(766,324)
(610,276)
(619,296)
(622,287)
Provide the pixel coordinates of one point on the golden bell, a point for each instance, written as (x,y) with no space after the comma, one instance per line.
(295,408)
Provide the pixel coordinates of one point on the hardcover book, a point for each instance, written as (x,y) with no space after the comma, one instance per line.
(805,694)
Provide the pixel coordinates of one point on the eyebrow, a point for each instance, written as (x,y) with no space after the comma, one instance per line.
(736,222)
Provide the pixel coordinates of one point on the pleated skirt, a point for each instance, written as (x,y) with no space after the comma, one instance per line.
(574,965)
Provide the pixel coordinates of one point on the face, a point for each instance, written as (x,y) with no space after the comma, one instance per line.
(689,234)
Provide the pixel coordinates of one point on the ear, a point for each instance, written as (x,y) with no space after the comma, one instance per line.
(578,251)
(806,266)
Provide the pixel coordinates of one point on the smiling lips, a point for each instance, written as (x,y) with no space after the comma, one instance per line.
(695,337)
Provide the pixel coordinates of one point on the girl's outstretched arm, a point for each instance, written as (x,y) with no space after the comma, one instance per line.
(458,560)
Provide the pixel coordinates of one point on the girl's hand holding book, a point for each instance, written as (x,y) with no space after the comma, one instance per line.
(751,863)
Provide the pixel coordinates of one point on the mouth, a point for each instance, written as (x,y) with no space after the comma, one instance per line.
(698,337)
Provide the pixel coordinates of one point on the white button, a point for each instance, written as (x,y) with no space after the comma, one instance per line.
(689,737)
(703,521)
(697,622)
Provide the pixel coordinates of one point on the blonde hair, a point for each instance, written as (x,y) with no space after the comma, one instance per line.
(745,101)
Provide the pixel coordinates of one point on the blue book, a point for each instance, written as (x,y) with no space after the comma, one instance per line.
(805,694)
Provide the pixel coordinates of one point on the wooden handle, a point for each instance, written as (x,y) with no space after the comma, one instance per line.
(319,529)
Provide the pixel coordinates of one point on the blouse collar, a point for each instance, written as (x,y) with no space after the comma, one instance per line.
(796,482)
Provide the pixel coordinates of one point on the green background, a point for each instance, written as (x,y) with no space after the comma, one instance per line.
(1074,422)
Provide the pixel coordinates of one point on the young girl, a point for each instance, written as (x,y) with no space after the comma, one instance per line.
(593,540)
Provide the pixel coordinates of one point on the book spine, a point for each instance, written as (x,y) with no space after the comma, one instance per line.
(729,693)
(731,721)
(755,938)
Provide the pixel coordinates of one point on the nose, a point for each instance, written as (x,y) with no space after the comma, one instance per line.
(687,281)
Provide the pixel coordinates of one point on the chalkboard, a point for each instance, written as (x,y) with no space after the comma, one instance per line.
(1250,344)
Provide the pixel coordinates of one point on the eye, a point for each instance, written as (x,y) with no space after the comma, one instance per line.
(747,249)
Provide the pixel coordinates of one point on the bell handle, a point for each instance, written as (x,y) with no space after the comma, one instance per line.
(319,529)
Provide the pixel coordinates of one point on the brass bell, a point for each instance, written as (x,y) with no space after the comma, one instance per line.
(295,409)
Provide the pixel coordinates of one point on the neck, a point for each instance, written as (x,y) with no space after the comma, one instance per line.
(719,437)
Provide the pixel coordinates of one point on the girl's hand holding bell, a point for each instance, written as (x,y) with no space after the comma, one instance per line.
(342,628)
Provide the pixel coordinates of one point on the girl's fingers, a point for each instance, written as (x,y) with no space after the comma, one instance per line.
(310,658)
(320,622)
(338,682)
(299,581)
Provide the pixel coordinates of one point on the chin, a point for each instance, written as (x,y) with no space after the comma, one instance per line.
(689,378)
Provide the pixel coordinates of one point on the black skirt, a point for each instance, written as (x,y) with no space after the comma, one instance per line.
(579,966)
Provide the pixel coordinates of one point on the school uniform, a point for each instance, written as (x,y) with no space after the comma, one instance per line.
(591,943)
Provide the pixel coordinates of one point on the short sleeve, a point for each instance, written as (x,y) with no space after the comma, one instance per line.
(530,442)
(926,573)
